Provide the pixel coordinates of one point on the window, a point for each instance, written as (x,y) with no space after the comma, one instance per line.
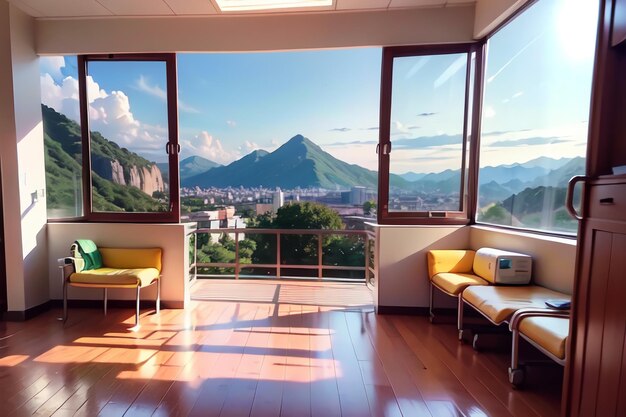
(62,137)
(426,107)
(119,146)
(535,115)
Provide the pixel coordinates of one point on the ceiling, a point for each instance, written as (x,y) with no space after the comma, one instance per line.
(139,8)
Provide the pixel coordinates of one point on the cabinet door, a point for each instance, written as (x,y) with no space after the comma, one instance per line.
(598,368)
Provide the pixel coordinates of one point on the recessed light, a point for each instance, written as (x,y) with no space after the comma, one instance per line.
(247,5)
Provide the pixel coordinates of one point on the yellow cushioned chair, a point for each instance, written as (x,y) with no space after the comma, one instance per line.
(547,330)
(121,268)
(451,272)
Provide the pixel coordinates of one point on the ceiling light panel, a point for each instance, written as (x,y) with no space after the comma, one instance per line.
(272,5)
(191,7)
(67,8)
(137,7)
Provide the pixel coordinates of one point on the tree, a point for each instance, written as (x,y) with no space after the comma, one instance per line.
(369,207)
(295,249)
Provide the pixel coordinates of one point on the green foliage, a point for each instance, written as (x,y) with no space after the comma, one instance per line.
(495,214)
(369,206)
(63,147)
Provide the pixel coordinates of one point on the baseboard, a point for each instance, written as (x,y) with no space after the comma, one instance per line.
(28,313)
(403,310)
(176,305)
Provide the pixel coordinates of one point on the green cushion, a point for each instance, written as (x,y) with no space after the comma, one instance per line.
(90,254)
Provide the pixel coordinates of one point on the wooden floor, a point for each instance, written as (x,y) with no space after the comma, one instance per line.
(255,348)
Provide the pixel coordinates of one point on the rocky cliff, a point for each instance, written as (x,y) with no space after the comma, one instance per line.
(147,178)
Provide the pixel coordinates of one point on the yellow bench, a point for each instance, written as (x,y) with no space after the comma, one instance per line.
(122,268)
(546,330)
(451,272)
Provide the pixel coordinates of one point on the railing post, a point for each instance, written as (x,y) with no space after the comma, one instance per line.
(195,255)
(236,255)
(366,272)
(320,273)
(278,255)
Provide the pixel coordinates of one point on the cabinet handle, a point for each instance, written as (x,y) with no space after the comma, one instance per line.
(569,197)
(607,201)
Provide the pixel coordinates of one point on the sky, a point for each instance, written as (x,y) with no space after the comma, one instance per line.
(536,99)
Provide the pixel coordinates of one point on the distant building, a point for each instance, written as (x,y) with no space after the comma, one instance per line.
(358,195)
(278,200)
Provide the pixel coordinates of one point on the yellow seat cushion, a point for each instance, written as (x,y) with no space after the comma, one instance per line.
(498,303)
(459,261)
(548,332)
(131,258)
(116,276)
(454,283)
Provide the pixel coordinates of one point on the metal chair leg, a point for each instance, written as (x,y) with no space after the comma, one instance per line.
(158,297)
(105,298)
(459,318)
(137,311)
(64,300)
(431,315)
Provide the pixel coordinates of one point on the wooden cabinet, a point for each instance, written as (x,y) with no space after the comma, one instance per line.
(598,366)
(595,383)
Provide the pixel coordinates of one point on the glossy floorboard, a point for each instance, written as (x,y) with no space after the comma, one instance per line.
(254,348)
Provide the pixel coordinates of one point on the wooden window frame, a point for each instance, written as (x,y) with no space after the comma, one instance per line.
(469,162)
(172,147)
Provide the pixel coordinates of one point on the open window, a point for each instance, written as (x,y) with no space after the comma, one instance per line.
(130,157)
(427,98)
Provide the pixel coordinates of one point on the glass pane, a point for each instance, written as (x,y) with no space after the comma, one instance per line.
(128,159)
(427,114)
(268,130)
(535,115)
(62,136)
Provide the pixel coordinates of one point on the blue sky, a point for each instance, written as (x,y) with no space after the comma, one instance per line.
(230,104)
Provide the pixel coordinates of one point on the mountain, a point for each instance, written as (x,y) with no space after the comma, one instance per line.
(503,174)
(546,162)
(122,180)
(412,176)
(560,177)
(297,163)
(189,167)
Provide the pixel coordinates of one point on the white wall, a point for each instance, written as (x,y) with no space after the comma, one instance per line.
(402,265)
(256,33)
(491,13)
(554,259)
(170,237)
(23,176)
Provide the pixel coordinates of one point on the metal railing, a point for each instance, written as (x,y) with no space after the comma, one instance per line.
(280,265)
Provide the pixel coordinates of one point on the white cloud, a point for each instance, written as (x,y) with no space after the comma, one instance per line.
(153,90)
(208,146)
(231,123)
(248,147)
(143,85)
(109,113)
(52,65)
(489,112)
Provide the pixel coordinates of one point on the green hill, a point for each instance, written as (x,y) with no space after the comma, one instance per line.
(189,167)
(297,163)
(62,142)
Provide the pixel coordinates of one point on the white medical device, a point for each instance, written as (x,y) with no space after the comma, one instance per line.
(502,267)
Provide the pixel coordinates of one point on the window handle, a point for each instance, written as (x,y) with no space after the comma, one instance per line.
(377,148)
(569,197)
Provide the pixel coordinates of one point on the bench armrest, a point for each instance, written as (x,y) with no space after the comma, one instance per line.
(521,314)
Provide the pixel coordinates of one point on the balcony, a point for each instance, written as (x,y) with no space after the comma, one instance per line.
(324,255)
